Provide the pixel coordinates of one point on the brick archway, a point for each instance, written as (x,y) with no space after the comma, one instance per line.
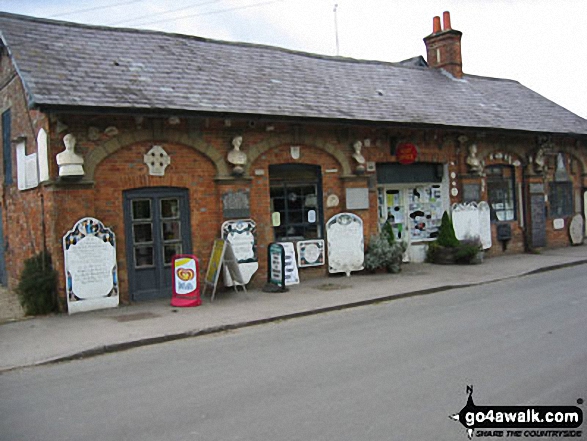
(96,156)
(255,151)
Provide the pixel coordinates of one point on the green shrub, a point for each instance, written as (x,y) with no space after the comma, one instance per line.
(467,251)
(37,287)
(384,252)
(446,233)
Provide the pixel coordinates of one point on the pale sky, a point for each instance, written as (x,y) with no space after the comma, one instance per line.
(540,43)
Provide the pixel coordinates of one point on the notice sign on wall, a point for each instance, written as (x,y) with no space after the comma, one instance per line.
(89,251)
(186,289)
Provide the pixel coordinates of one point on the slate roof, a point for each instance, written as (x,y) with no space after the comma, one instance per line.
(67,64)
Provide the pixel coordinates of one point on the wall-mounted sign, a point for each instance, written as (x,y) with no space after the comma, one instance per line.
(346,246)
(558,224)
(91,276)
(332,201)
(186,288)
(310,253)
(235,204)
(406,153)
(241,236)
(357,198)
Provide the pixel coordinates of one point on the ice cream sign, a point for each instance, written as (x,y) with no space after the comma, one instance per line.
(186,289)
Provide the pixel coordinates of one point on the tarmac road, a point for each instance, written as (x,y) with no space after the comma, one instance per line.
(388,371)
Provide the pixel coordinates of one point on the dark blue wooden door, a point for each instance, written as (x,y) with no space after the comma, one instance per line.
(157,227)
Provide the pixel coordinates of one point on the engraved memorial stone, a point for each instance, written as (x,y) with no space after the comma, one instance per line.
(471,192)
(235,204)
(90,266)
(576,230)
(346,246)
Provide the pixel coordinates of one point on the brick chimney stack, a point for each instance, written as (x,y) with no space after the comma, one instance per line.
(443,47)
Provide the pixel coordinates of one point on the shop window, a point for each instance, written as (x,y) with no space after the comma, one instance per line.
(296,201)
(415,213)
(561,199)
(6,147)
(500,192)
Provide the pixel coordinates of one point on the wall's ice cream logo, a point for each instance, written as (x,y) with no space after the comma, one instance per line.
(185,274)
(185,280)
(484,420)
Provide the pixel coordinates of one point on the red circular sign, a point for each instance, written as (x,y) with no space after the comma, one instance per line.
(406,153)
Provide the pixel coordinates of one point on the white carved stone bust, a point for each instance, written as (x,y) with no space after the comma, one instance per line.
(474,163)
(70,163)
(236,156)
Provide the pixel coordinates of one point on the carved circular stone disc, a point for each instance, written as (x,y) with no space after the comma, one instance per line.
(576,230)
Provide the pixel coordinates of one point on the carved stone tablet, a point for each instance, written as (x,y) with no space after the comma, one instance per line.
(235,204)
(346,245)
(90,266)
(465,218)
(577,229)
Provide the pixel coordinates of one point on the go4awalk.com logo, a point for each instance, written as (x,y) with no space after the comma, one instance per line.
(520,421)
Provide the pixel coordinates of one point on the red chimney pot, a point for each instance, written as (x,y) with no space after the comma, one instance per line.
(446,20)
(436,25)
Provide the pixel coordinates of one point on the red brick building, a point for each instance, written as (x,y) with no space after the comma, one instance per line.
(311,128)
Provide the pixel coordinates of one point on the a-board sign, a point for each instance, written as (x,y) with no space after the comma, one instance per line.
(241,236)
(186,287)
(291,268)
(222,254)
(276,266)
(89,250)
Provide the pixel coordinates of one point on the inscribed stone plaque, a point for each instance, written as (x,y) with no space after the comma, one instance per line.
(536,188)
(576,230)
(235,204)
(538,220)
(241,236)
(471,192)
(90,266)
(357,198)
(484,224)
(346,246)
(465,219)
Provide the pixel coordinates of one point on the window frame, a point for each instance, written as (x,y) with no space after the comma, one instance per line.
(286,177)
(504,184)
(555,201)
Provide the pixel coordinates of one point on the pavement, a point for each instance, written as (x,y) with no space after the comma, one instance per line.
(61,337)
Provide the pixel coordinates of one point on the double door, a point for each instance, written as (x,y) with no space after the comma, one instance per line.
(157,227)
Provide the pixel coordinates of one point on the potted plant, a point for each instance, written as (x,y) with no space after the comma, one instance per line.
(384,251)
(444,249)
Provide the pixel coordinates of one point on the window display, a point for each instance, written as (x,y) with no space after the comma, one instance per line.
(414,213)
